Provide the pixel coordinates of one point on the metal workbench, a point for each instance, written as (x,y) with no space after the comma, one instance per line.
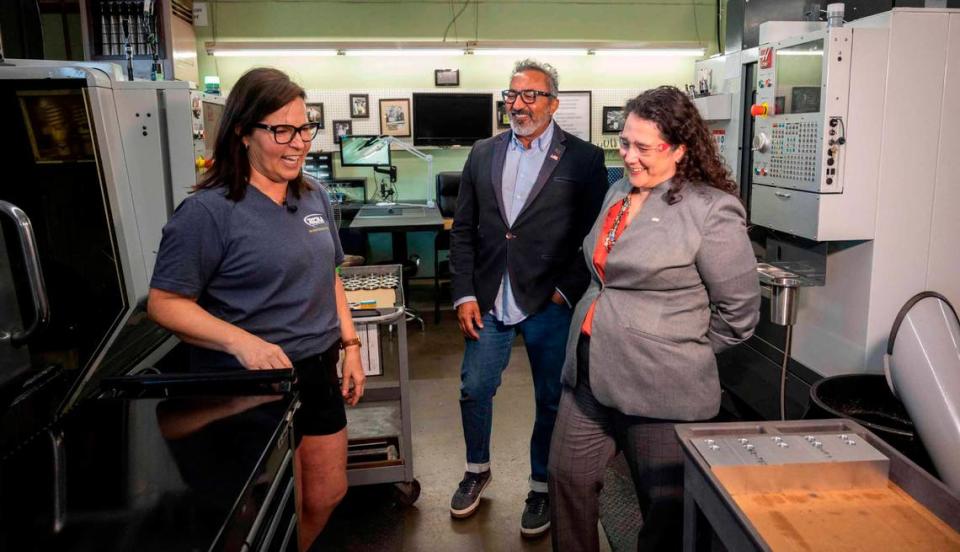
(710,509)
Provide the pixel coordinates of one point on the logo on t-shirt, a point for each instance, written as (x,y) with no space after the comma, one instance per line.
(314,221)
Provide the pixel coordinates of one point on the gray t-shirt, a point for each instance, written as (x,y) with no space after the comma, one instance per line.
(267,268)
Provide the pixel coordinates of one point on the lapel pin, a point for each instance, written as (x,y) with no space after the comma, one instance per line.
(555,157)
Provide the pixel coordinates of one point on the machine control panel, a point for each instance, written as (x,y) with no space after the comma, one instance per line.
(206,110)
(801,105)
(793,150)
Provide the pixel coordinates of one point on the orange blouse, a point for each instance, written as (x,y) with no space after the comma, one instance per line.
(600,255)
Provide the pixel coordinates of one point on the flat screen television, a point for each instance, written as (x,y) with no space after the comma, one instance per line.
(451,119)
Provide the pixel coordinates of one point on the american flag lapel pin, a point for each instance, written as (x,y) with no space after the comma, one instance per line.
(555,156)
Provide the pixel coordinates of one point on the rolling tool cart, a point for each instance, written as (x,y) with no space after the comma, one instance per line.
(380,448)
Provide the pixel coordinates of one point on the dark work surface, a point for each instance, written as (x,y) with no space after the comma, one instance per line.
(143,474)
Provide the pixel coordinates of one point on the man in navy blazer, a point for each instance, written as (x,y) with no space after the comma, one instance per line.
(527,198)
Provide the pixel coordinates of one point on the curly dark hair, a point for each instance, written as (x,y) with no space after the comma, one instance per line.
(258,93)
(680,122)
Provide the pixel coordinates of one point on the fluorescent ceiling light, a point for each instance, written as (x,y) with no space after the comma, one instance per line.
(692,52)
(395,52)
(261,52)
(437,48)
(527,51)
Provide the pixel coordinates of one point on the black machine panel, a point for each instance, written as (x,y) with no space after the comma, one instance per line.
(180,473)
(105,442)
(52,173)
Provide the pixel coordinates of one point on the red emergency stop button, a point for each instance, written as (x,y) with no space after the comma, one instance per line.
(758,110)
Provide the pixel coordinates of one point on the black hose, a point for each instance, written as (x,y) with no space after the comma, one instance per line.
(719,47)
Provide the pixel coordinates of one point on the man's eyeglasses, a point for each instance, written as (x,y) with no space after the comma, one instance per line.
(528,96)
(643,149)
(283,134)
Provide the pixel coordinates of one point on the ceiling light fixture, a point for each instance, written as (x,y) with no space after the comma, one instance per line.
(264,52)
(396,52)
(681,52)
(436,48)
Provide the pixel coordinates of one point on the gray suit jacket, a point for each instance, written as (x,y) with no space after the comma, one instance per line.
(680,285)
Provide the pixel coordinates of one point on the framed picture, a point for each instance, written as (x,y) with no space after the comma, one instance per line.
(574,114)
(503,118)
(395,117)
(446,77)
(341,128)
(359,106)
(612,119)
(315,113)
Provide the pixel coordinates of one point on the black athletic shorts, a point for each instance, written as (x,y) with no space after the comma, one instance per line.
(321,409)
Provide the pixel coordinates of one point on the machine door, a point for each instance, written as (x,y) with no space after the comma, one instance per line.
(61,289)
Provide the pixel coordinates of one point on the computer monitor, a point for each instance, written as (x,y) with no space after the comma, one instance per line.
(364,151)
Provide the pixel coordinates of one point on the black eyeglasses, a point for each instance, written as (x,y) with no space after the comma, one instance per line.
(283,134)
(528,96)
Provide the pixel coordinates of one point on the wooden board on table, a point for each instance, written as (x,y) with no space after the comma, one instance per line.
(859,519)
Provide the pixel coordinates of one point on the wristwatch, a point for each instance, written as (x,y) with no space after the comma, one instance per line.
(344,343)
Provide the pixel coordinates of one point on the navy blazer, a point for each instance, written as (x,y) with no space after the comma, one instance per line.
(541,249)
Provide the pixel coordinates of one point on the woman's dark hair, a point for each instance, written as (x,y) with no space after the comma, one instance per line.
(258,93)
(680,123)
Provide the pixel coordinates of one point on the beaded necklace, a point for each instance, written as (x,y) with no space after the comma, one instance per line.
(611,238)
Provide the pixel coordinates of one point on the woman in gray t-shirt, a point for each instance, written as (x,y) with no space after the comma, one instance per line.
(246,274)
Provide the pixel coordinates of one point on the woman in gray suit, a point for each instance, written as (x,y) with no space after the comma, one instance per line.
(673,282)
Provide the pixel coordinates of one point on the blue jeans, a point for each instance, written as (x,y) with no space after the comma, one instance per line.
(545,336)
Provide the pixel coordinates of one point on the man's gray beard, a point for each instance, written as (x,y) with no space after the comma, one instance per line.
(524,130)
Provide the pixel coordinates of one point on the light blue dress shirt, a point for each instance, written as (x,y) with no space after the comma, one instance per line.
(520,171)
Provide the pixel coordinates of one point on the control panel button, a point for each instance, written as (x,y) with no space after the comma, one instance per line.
(759,110)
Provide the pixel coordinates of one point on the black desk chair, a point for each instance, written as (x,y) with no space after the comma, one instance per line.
(448,186)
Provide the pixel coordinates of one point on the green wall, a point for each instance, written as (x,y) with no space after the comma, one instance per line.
(656,22)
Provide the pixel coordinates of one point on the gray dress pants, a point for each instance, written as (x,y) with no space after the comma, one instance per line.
(586,437)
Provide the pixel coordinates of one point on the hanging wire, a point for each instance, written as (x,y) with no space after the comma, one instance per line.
(696,24)
(719,27)
(454,20)
(456,33)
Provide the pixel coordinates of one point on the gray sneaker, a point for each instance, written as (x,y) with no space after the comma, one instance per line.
(467,497)
(536,515)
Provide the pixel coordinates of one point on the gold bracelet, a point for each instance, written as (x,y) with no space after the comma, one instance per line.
(344,343)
